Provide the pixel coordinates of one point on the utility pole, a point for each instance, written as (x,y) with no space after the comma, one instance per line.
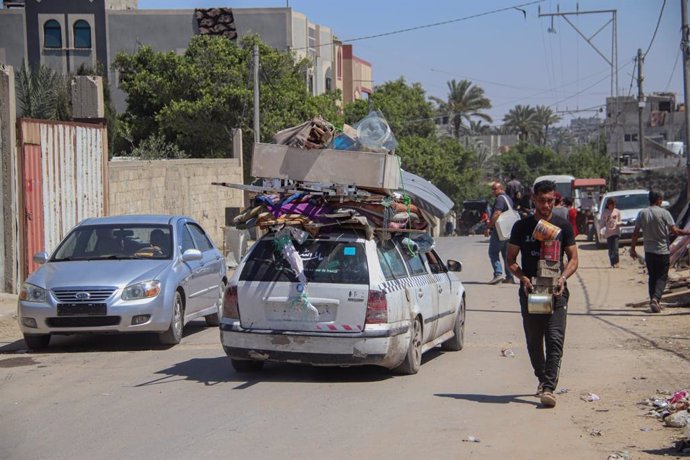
(256,92)
(685,37)
(640,105)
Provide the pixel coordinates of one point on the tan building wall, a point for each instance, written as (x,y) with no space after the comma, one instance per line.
(177,187)
(357,76)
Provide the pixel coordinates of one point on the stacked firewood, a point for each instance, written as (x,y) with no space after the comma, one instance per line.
(216,21)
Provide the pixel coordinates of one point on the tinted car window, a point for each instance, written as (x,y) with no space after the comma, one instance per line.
(324,262)
(186,241)
(387,271)
(414,262)
(391,256)
(200,238)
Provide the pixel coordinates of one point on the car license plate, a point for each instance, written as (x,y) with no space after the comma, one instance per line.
(88,309)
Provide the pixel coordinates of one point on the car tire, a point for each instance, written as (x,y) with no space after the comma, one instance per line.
(173,335)
(413,358)
(37,342)
(246,365)
(458,340)
(214,319)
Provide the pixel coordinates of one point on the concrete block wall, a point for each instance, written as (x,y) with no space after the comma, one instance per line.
(176,187)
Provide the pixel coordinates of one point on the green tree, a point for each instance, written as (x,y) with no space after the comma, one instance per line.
(545,117)
(522,121)
(195,100)
(529,161)
(404,106)
(465,101)
(42,93)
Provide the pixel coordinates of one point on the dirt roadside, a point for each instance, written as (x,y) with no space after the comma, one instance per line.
(659,343)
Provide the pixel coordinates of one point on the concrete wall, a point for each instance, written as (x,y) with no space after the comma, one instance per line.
(12,37)
(177,187)
(271,24)
(9,254)
(671,181)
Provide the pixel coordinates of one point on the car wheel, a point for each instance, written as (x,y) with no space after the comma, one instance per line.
(174,333)
(246,365)
(413,358)
(458,340)
(214,319)
(37,342)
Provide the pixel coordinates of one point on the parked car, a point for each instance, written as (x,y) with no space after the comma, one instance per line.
(124,274)
(630,203)
(378,303)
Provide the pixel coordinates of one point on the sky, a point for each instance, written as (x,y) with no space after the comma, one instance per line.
(512,55)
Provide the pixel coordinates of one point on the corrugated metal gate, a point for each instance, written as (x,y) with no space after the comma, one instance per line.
(64,180)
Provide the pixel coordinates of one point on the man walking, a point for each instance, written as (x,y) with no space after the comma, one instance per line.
(655,223)
(543,329)
(497,248)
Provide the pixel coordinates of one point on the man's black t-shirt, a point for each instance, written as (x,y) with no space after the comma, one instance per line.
(529,247)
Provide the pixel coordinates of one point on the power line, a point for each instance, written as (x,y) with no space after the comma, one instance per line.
(670,77)
(428,26)
(656,29)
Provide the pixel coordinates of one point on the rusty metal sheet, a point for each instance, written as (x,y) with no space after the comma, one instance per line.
(32,183)
(71,167)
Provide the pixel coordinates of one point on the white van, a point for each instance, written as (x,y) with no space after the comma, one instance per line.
(564,184)
(378,303)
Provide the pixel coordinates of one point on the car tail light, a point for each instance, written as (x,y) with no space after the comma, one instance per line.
(377,308)
(230,307)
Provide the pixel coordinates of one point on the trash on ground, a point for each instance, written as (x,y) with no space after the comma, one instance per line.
(595,432)
(618,455)
(562,391)
(590,397)
(471,439)
(507,352)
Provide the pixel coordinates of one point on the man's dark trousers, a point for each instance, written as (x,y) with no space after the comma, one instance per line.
(546,330)
(657,268)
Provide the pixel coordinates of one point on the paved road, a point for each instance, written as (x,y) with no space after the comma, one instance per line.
(117,397)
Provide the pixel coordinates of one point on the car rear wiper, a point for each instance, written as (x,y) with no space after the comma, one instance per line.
(64,259)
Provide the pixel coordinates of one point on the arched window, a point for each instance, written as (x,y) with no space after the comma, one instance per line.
(52,34)
(82,34)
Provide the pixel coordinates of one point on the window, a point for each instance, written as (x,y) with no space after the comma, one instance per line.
(52,34)
(414,261)
(389,254)
(186,241)
(435,264)
(82,34)
(630,138)
(328,85)
(312,42)
(202,242)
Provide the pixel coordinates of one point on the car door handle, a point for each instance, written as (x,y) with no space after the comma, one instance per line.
(420,293)
(440,290)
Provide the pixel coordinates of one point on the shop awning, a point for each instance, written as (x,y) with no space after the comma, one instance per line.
(426,195)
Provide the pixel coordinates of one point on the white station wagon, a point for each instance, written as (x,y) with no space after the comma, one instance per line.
(365,302)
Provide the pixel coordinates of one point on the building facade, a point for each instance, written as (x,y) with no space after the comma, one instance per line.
(663,122)
(65,34)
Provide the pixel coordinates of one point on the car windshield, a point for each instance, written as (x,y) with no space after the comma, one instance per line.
(324,262)
(128,241)
(632,201)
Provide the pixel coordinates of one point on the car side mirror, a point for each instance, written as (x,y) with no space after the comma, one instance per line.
(665,204)
(40,258)
(454,265)
(191,255)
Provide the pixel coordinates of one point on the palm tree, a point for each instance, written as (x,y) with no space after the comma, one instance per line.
(465,101)
(546,117)
(476,128)
(42,93)
(522,120)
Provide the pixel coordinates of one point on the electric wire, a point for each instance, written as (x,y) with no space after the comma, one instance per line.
(429,26)
(656,29)
(673,71)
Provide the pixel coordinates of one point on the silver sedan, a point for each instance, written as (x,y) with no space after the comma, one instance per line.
(123,274)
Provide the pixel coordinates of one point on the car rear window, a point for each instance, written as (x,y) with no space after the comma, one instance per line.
(324,262)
